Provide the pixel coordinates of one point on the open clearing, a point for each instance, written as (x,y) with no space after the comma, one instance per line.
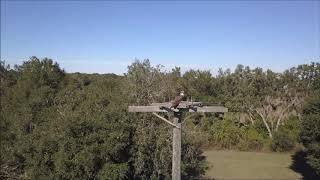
(249,165)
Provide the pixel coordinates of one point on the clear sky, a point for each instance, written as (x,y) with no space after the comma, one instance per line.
(106,36)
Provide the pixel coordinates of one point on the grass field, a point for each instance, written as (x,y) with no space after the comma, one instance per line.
(250,165)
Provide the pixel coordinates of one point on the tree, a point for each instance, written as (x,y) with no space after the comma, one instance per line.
(27,107)
(58,125)
(152,138)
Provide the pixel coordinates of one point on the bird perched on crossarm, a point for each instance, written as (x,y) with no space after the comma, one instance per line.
(175,103)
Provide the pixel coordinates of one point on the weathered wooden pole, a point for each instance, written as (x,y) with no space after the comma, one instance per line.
(176,147)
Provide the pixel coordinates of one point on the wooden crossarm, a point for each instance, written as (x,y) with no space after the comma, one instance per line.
(213,109)
(146,109)
(183,104)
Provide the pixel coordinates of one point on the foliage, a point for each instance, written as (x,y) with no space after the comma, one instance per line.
(252,140)
(282,141)
(58,125)
(151,145)
(310,133)
(286,138)
(227,134)
(193,164)
(63,126)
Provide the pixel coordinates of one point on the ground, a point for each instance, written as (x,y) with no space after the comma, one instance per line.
(251,165)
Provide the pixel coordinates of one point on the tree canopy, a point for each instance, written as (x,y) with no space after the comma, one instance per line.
(58,125)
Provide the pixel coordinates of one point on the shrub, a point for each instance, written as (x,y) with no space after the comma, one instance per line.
(226,135)
(113,171)
(293,124)
(283,140)
(313,156)
(287,136)
(310,132)
(252,140)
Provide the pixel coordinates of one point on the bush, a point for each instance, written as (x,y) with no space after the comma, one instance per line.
(313,156)
(227,135)
(283,140)
(310,132)
(252,140)
(286,138)
(113,171)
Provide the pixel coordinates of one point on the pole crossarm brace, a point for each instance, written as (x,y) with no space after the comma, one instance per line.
(166,120)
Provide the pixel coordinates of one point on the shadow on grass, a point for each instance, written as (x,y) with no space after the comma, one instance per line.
(299,165)
(196,172)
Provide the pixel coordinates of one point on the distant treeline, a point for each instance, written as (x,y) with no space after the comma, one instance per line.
(58,125)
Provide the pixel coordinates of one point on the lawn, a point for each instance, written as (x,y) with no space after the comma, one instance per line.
(250,165)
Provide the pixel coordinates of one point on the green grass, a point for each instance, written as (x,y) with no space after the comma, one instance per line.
(249,165)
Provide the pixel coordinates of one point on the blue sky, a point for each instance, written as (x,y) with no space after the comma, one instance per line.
(106,36)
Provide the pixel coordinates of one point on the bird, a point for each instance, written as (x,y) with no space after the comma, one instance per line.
(175,103)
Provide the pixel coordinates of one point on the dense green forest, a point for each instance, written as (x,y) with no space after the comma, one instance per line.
(59,125)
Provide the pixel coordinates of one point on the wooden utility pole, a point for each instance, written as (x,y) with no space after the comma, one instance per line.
(176,146)
(175,116)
